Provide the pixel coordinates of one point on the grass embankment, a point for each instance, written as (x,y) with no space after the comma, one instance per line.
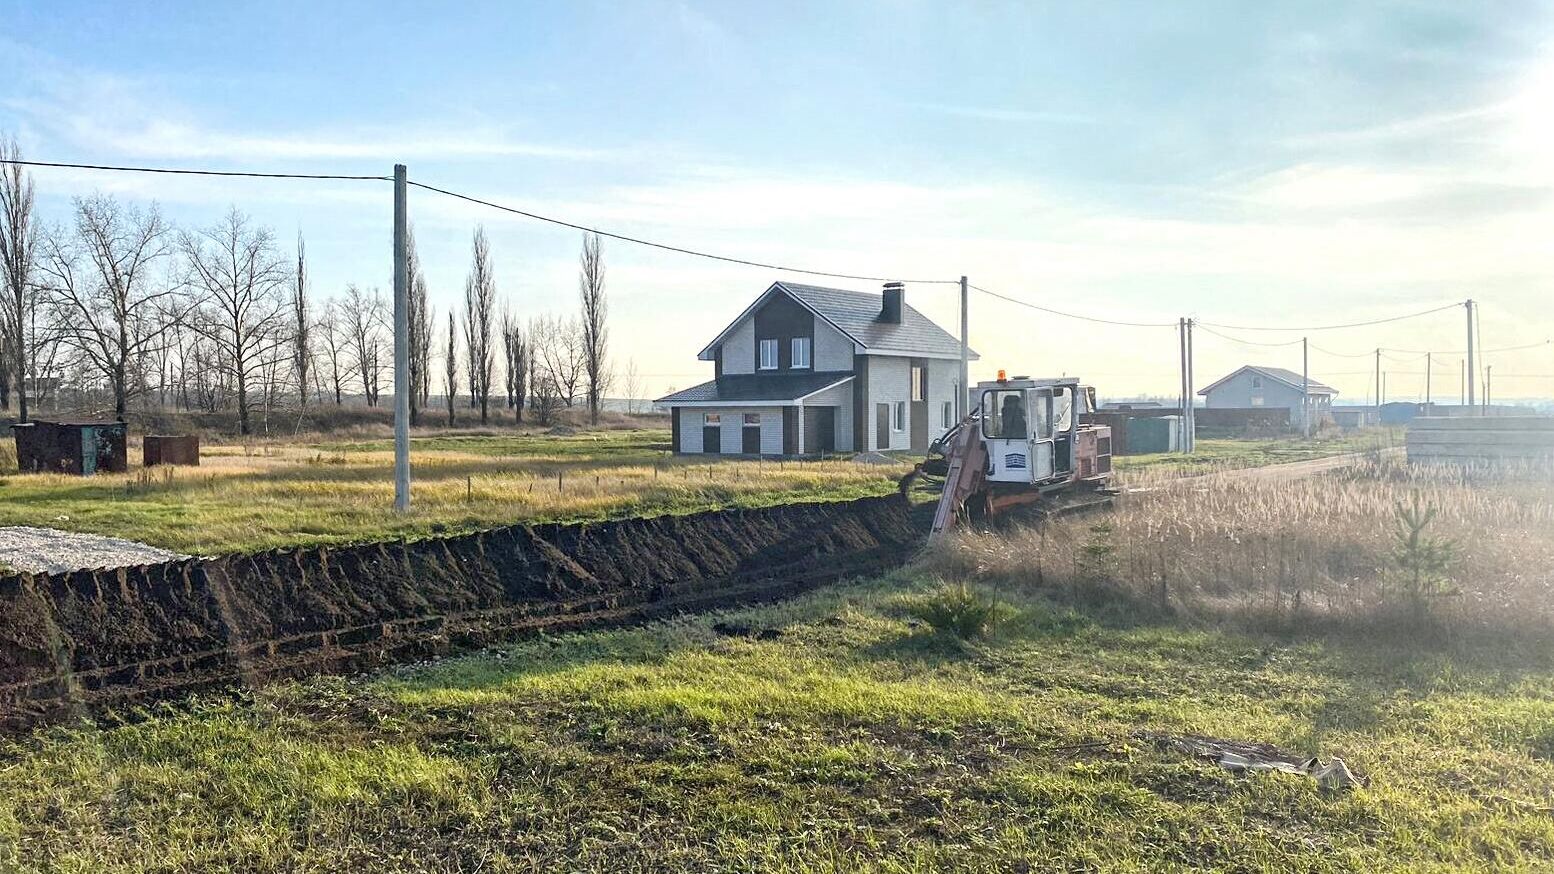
(1224,453)
(245,498)
(854,741)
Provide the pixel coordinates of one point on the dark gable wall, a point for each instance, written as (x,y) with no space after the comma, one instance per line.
(782,319)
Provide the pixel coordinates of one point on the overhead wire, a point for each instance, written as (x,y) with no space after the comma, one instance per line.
(1438,309)
(677,249)
(187,172)
(1068,315)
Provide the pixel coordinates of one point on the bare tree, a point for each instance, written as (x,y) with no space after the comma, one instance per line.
(557,353)
(451,366)
(594,315)
(515,347)
(336,346)
(100,278)
(302,324)
(240,279)
(479,311)
(420,318)
(631,386)
(364,320)
(18,249)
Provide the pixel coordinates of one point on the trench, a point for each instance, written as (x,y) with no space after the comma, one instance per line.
(91,643)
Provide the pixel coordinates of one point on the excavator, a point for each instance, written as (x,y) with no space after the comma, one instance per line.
(1021,445)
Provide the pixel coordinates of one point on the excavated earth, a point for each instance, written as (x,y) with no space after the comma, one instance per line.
(87,643)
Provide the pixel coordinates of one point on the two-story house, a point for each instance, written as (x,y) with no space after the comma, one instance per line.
(806,370)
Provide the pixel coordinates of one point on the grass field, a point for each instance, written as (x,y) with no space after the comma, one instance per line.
(244,498)
(854,741)
(837,733)
(267,494)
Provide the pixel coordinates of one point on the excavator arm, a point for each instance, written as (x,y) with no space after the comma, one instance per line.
(967,469)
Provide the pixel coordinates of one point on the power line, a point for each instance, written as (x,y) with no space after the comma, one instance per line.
(1316,348)
(1244,342)
(1024,303)
(1438,309)
(184,172)
(678,249)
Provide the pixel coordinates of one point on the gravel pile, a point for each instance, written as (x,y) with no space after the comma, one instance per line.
(49,550)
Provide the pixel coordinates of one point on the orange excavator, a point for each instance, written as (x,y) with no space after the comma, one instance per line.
(1022,444)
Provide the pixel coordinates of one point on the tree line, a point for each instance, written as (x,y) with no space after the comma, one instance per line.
(128,310)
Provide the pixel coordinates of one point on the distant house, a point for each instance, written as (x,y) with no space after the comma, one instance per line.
(806,370)
(1253,386)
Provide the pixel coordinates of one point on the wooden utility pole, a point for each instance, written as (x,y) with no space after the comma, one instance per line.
(401,344)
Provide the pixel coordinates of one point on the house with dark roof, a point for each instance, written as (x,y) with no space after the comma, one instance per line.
(806,370)
(1253,386)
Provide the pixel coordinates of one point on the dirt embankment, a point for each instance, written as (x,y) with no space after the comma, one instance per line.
(83,642)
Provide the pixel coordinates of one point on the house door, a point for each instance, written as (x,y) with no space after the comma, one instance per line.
(882,426)
(825,430)
(750,439)
(712,437)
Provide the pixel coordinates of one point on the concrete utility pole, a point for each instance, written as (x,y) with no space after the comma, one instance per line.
(401,345)
(1181,332)
(1462,382)
(963,397)
(1192,401)
(1427,377)
(1488,374)
(1472,367)
(1305,388)
(1378,385)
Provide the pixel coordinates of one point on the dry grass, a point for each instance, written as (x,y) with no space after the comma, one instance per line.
(262,495)
(1288,547)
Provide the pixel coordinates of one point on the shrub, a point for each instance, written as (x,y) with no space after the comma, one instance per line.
(959,610)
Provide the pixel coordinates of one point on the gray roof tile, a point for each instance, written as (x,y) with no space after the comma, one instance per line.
(857,314)
(744,388)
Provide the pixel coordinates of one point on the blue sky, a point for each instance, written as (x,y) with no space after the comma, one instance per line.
(1264,164)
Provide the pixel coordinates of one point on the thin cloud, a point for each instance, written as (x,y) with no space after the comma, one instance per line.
(1006,114)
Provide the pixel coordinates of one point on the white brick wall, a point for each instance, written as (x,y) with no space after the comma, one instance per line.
(731,429)
(833,351)
(739,349)
(840,397)
(889,382)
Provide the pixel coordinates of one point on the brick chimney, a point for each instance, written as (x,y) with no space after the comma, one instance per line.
(891,310)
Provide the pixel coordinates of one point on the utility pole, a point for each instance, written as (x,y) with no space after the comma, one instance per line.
(963,397)
(1462,382)
(1427,378)
(1472,369)
(1181,331)
(1192,398)
(1305,388)
(1488,373)
(1378,385)
(401,346)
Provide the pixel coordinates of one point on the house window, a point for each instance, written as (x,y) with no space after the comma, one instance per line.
(1257,400)
(898,416)
(919,383)
(800,352)
(1257,382)
(768,360)
(752,419)
(949,414)
(711,419)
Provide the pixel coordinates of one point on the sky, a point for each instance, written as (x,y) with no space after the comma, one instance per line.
(1263,165)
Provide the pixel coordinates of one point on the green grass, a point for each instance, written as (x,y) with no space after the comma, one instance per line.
(852,742)
(1216,453)
(245,498)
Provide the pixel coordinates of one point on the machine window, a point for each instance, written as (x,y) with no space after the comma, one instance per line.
(1063,411)
(1005,415)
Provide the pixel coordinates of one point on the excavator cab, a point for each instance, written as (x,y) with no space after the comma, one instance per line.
(1022,444)
(1028,427)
